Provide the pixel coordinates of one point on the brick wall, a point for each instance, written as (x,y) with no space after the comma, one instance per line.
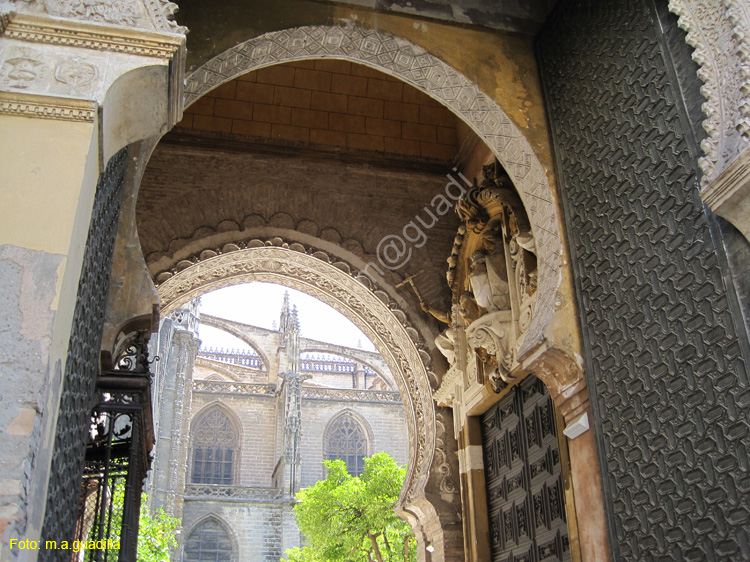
(329,103)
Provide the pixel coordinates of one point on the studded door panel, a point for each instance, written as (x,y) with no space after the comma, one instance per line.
(522,470)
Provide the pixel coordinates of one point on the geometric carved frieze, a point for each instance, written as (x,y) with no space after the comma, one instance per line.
(415,66)
(314,273)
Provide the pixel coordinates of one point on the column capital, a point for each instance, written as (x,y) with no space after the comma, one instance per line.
(54,67)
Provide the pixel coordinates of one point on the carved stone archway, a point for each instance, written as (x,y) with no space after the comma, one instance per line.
(412,64)
(317,274)
(718,31)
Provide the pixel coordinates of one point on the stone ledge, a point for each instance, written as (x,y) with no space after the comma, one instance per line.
(212,492)
(47,107)
(96,36)
(729,194)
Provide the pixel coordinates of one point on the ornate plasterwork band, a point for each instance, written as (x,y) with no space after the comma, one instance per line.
(70,33)
(55,53)
(415,66)
(149,15)
(718,31)
(47,107)
(315,276)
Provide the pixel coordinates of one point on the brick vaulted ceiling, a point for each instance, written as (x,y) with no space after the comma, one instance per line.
(328,103)
(326,148)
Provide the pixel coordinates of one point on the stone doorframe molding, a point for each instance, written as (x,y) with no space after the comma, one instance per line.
(410,63)
(327,279)
(128,80)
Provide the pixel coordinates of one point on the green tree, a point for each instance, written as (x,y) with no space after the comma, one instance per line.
(351,519)
(156,533)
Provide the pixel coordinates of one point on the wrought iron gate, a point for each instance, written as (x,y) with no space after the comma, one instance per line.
(117,458)
(525,496)
(78,392)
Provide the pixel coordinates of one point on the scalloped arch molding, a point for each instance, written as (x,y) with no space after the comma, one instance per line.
(326,282)
(415,66)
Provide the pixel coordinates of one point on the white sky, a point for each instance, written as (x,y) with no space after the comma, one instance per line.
(259,304)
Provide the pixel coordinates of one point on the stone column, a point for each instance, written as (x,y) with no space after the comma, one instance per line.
(473,492)
(72,94)
(185,348)
(360,377)
(292,395)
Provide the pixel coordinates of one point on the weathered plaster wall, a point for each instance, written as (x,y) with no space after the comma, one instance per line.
(26,318)
(45,208)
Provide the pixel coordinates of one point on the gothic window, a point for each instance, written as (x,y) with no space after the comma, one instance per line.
(346,440)
(209,542)
(214,449)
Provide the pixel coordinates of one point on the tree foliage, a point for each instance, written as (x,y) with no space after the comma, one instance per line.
(351,519)
(156,533)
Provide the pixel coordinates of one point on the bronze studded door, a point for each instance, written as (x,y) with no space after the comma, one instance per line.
(525,497)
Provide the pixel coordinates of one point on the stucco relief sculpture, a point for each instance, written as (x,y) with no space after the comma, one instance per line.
(77,74)
(22,68)
(493,275)
(155,15)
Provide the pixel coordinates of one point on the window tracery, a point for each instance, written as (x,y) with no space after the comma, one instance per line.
(209,542)
(346,440)
(214,449)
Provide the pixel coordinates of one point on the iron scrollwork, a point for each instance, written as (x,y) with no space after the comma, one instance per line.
(117,456)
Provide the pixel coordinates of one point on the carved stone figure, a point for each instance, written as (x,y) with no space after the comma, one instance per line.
(495,251)
(446,340)
(491,337)
(468,308)
(489,289)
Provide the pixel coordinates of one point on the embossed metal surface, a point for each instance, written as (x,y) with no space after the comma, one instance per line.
(525,497)
(663,358)
(82,364)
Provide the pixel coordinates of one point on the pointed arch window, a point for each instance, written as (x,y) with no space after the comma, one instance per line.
(214,449)
(209,542)
(347,440)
